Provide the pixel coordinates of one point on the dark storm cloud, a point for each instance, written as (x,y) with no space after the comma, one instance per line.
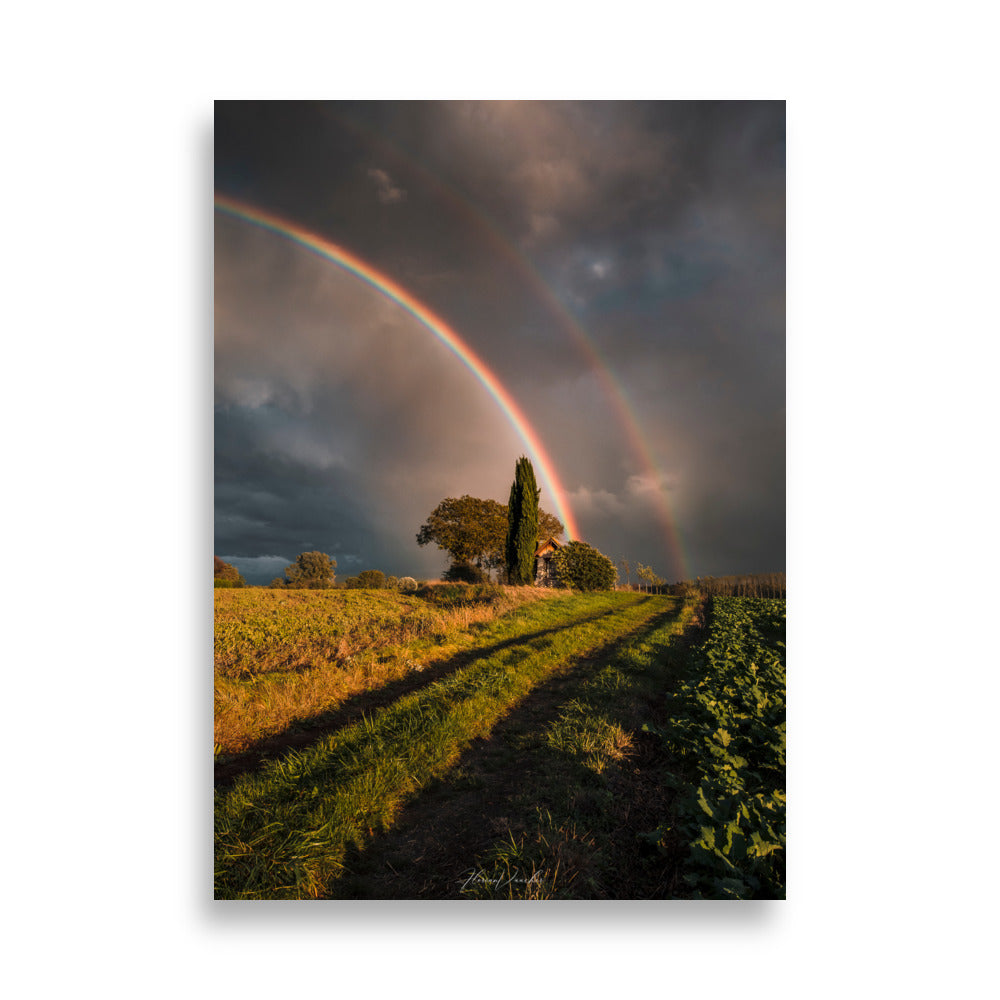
(657,227)
(257,486)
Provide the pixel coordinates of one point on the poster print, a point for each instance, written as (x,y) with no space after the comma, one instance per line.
(499,500)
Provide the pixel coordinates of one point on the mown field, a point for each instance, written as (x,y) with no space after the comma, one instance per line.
(498,743)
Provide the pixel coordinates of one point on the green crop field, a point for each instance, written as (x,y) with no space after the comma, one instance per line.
(725,733)
(486,742)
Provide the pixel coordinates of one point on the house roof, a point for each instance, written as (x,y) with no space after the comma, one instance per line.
(550,545)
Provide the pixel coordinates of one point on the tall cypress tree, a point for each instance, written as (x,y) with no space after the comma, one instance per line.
(522,524)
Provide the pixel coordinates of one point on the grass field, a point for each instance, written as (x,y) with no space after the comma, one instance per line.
(477,744)
(286,659)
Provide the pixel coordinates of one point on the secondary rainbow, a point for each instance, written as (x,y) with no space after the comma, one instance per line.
(383,283)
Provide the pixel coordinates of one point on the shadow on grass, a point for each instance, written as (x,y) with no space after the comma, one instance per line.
(513,792)
(304,733)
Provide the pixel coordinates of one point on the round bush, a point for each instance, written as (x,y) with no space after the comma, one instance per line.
(582,567)
(464,573)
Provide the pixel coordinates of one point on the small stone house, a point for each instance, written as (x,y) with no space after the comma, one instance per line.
(545,572)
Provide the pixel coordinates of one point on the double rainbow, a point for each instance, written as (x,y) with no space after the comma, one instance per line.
(613,391)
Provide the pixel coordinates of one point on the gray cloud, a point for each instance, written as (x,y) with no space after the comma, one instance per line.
(388,192)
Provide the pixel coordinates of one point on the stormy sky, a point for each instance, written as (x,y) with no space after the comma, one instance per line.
(619,267)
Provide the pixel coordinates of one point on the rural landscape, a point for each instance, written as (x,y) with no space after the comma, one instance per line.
(499,500)
(384,738)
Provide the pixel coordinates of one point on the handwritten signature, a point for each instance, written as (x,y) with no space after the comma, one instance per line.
(482,878)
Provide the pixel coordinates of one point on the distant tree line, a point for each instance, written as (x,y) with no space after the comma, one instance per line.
(315,571)
(745,585)
(737,585)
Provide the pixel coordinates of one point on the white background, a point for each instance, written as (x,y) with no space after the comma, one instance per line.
(892,264)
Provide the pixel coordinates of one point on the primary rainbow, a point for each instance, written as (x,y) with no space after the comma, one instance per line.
(383,283)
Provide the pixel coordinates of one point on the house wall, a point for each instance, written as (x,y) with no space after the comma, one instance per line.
(544,572)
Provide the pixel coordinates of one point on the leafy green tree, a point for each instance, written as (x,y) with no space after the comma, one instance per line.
(646,573)
(312,570)
(474,532)
(549,526)
(371,579)
(467,529)
(522,525)
(582,567)
(227,575)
